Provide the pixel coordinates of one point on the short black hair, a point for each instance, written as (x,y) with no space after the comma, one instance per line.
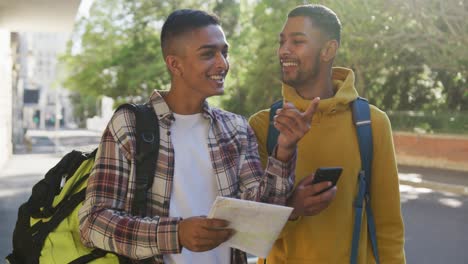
(322,17)
(182,21)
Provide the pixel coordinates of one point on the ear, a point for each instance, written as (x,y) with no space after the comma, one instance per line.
(174,65)
(329,50)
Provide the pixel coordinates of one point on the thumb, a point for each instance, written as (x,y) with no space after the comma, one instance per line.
(307,180)
(287,105)
(312,107)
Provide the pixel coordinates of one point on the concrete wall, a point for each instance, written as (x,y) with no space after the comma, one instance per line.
(5,97)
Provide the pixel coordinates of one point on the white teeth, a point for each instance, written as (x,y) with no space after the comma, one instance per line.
(217,77)
(289,64)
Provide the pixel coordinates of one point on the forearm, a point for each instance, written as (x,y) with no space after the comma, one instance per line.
(272,185)
(284,154)
(133,237)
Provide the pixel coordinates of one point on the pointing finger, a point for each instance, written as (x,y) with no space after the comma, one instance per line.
(312,108)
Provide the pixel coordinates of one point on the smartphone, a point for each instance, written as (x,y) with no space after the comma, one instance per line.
(331,174)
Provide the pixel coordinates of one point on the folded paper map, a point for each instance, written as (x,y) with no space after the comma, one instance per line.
(257,224)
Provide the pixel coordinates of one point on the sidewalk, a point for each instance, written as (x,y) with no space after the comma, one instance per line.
(441,180)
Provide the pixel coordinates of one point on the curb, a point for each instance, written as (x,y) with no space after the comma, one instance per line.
(436,163)
(437,186)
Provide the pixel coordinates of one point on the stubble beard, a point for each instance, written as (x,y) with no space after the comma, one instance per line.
(303,77)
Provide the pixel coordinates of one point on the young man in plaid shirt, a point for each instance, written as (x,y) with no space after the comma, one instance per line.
(204,152)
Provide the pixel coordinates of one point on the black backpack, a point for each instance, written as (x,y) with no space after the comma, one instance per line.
(46,230)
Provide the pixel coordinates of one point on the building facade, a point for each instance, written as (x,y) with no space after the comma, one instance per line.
(24,16)
(43,98)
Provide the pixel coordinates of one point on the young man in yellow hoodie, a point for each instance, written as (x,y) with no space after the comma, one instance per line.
(321,226)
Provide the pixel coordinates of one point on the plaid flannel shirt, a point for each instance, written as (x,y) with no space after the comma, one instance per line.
(105,221)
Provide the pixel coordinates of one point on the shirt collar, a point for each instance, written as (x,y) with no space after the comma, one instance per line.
(164,112)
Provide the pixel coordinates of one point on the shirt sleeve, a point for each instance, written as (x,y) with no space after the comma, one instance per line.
(105,221)
(272,185)
(260,123)
(385,193)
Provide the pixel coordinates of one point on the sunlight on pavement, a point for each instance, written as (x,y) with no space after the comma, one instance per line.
(412,177)
(416,190)
(408,192)
(413,183)
(450,202)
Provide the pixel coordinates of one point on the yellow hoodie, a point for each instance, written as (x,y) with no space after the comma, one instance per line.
(332,142)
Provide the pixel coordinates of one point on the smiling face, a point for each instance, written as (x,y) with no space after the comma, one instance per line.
(202,63)
(299,51)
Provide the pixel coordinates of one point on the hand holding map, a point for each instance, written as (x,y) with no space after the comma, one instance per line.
(257,224)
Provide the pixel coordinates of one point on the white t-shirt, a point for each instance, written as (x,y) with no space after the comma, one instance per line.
(195,187)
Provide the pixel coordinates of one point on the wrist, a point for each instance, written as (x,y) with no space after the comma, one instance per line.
(290,203)
(293,216)
(179,235)
(285,153)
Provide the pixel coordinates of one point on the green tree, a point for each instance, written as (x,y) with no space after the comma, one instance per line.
(119,47)
(406,55)
(255,57)
(84,107)
(384,42)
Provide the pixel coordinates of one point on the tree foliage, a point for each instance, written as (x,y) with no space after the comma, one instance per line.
(407,55)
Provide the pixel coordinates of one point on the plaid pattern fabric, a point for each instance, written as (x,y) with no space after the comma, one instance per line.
(104,219)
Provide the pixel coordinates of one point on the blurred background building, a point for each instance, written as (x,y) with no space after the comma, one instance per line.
(40,100)
(32,33)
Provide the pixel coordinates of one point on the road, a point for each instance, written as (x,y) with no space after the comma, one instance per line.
(434,202)
(435,211)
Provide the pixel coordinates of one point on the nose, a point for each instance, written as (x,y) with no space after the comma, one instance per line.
(283,49)
(222,62)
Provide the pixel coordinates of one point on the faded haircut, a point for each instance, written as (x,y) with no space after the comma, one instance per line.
(322,17)
(182,21)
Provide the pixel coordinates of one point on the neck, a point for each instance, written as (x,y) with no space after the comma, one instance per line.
(321,86)
(183,104)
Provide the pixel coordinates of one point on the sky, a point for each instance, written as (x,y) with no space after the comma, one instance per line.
(84,8)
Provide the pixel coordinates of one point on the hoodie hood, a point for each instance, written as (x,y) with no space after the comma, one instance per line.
(343,85)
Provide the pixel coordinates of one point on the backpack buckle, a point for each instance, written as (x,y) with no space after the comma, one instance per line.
(358,202)
(362,123)
(147,137)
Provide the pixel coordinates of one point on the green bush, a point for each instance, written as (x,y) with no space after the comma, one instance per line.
(430,122)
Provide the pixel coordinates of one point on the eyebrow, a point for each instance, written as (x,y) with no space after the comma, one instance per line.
(295,34)
(212,46)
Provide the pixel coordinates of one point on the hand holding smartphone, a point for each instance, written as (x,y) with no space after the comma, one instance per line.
(331,174)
